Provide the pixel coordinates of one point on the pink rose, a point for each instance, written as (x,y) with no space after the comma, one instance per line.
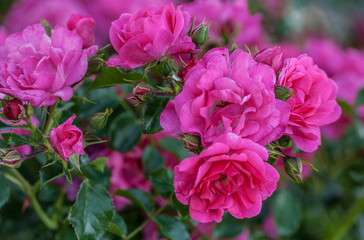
(67,139)
(314,103)
(270,56)
(40,69)
(28,12)
(229,176)
(149,34)
(84,27)
(228,93)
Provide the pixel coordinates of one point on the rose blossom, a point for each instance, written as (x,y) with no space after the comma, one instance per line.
(149,34)
(313,104)
(67,139)
(40,69)
(270,56)
(3,35)
(84,27)
(229,176)
(225,93)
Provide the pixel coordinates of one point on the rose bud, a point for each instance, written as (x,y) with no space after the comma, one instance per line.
(142,92)
(191,142)
(9,156)
(14,110)
(201,34)
(98,120)
(293,167)
(270,56)
(67,139)
(183,71)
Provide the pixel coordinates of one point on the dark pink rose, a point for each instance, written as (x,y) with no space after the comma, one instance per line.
(228,93)
(67,139)
(84,27)
(313,104)
(229,176)
(40,69)
(149,34)
(13,109)
(270,56)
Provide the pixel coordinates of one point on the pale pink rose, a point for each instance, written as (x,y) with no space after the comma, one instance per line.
(270,56)
(67,139)
(149,34)
(40,69)
(27,12)
(229,176)
(313,104)
(84,27)
(228,93)
(229,19)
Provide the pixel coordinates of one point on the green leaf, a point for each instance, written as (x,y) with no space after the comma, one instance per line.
(110,76)
(162,180)
(75,160)
(151,113)
(125,132)
(229,227)
(36,135)
(360,98)
(172,228)
(16,140)
(174,146)
(5,127)
(4,190)
(99,163)
(283,93)
(118,226)
(287,211)
(93,211)
(184,210)
(141,198)
(50,172)
(152,159)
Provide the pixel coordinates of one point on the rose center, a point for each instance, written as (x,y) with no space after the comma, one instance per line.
(69,135)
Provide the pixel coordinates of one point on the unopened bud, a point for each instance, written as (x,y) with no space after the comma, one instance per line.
(14,110)
(99,120)
(164,68)
(285,141)
(201,34)
(270,56)
(95,65)
(9,156)
(142,92)
(183,71)
(283,93)
(293,167)
(191,142)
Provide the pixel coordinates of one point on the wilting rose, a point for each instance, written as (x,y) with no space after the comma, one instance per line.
(313,104)
(149,34)
(67,139)
(228,93)
(229,176)
(41,69)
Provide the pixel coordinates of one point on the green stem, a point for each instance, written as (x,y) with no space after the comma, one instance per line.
(48,121)
(340,230)
(151,216)
(30,192)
